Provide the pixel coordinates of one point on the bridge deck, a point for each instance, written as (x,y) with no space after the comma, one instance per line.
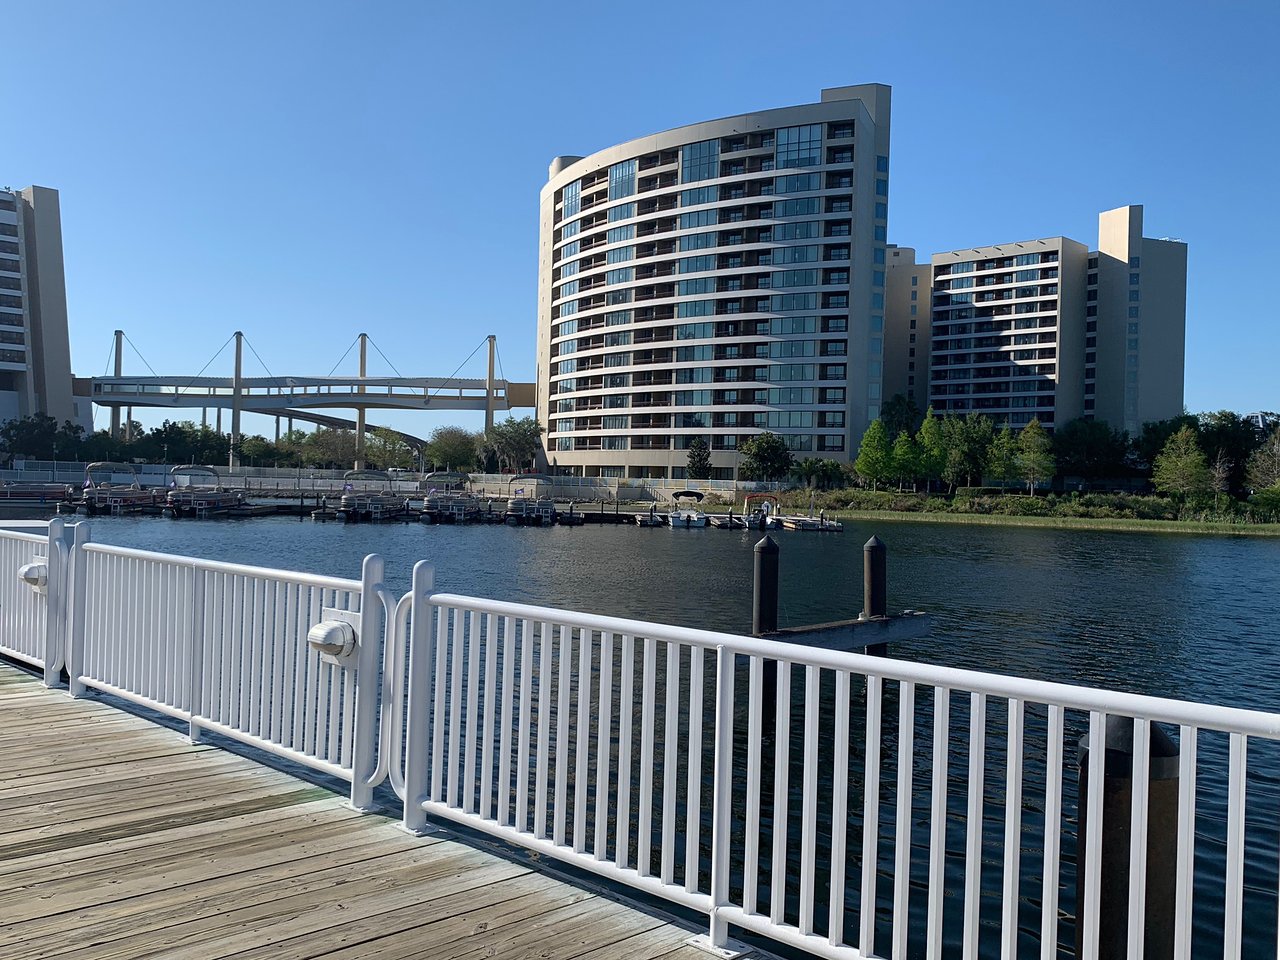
(120,839)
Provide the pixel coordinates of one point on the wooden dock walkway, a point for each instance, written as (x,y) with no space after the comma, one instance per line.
(120,839)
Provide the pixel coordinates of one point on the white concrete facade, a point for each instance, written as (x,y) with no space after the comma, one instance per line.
(35,353)
(715,281)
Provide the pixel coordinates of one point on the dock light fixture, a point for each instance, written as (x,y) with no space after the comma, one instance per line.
(335,640)
(35,574)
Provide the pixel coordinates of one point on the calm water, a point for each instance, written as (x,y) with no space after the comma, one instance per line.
(1170,615)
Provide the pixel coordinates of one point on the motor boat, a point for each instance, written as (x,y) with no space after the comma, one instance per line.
(760,510)
(103,494)
(188,497)
(370,505)
(684,510)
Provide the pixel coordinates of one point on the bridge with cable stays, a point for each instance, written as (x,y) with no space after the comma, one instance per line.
(303,398)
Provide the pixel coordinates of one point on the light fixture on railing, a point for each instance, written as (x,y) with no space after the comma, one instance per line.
(335,636)
(35,574)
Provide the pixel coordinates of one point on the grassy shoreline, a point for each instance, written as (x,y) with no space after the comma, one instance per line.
(1116,524)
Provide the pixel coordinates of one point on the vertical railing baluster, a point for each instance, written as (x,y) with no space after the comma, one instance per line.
(1185,888)
(565,681)
(490,716)
(670,763)
(471,718)
(973,823)
(809,800)
(1233,910)
(722,795)
(693,781)
(1138,836)
(644,837)
(582,745)
(1052,837)
(544,733)
(839,810)
(452,760)
(870,819)
(439,700)
(755,745)
(902,816)
(1012,830)
(938,820)
(781,770)
(604,734)
(280,681)
(526,726)
(1093,838)
(504,725)
(195,663)
(626,713)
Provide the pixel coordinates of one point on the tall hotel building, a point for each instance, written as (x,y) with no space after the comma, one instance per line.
(1048,329)
(35,355)
(715,281)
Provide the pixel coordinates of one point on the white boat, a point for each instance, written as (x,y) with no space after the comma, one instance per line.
(188,498)
(450,507)
(684,510)
(528,512)
(102,494)
(370,505)
(764,515)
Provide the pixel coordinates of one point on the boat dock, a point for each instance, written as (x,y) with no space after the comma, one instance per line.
(120,837)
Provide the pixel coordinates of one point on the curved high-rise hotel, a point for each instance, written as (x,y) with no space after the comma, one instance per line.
(716,281)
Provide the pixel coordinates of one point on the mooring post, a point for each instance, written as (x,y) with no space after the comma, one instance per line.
(1117,828)
(764,619)
(875,588)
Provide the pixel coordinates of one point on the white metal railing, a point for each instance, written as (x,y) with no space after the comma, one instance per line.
(33,577)
(736,776)
(225,647)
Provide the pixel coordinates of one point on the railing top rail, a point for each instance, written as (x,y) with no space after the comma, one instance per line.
(236,569)
(1207,716)
(21,537)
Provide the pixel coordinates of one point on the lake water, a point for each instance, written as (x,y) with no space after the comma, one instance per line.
(1190,617)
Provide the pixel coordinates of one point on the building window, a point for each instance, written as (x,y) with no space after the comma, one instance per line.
(1133,312)
(622,179)
(699,161)
(882,188)
(882,164)
(623,211)
(572,198)
(1133,279)
(1134,263)
(798,146)
(1134,296)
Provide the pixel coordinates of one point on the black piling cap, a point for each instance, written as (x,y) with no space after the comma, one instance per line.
(767,545)
(874,543)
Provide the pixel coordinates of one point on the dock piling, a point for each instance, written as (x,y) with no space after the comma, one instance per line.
(764,595)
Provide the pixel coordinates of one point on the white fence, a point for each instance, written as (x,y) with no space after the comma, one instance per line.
(845,805)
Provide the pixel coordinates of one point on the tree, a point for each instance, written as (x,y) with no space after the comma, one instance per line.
(515,442)
(331,448)
(764,457)
(698,460)
(1220,477)
(875,456)
(452,448)
(817,472)
(255,450)
(1091,450)
(33,437)
(1264,463)
(933,448)
(900,413)
(1155,434)
(387,450)
(1181,468)
(965,442)
(1035,455)
(1227,436)
(1002,457)
(905,459)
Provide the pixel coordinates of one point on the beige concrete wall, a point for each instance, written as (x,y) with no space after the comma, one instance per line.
(898,345)
(46,296)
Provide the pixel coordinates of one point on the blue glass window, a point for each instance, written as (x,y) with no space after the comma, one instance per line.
(623,211)
(698,264)
(699,161)
(799,146)
(882,164)
(698,241)
(701,285)
(619,234)
(622,179)
(572,199)
(796,183)
(882,188)
(699,195)
(701,218)
(803,207)
(621,275)
(620,255)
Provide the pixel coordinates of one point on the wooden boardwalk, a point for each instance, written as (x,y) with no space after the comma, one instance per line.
(119,839)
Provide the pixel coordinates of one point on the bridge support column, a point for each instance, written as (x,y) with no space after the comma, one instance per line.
(488,386)
(364,356)
(237,389)
(119,371)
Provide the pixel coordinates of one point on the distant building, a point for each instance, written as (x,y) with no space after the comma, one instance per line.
(35,355)
(908,321)
(715,281)
(1046,329)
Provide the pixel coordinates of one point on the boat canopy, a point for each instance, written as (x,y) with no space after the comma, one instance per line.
(690,494)
(110,467)
(195,468)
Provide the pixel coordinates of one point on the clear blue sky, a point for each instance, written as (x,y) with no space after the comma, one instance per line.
(305,170)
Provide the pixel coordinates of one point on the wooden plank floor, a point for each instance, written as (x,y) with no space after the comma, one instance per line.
(119,839)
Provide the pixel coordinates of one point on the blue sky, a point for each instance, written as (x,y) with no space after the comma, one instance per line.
(306,170)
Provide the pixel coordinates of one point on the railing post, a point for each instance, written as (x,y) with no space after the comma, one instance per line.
(417,716)
(722,796)
(195,668)
(364,753)
(77,597)
(55,620)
